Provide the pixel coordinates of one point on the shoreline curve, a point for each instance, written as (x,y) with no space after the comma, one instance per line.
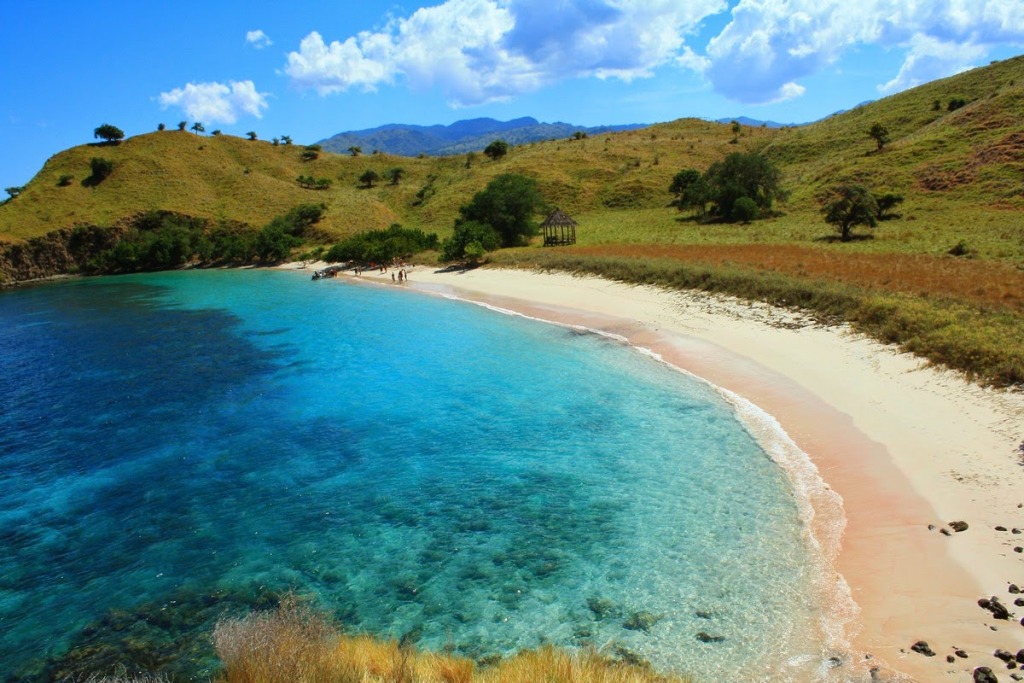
(908,448)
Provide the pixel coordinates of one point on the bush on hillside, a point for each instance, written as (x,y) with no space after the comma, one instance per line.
(101,170)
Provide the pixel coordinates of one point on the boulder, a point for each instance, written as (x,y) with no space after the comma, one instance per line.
(983,674)
(993,605)
(958,526)
(708,638)
(923,648)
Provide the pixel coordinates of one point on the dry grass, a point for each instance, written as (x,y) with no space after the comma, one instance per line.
(991,284)
(295,644)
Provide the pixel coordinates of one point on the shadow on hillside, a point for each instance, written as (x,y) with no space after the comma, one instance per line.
(832,239)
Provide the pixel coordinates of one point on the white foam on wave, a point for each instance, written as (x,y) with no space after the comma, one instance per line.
(820,508)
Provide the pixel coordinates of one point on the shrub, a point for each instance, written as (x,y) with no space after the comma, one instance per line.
(101,169)
(744,210)
(380,246)
(496,150)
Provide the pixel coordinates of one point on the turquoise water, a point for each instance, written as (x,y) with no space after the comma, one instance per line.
(419,467)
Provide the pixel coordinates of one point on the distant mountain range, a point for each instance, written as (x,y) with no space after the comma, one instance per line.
(471,135)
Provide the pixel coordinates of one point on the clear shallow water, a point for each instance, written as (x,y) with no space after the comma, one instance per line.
(422,467)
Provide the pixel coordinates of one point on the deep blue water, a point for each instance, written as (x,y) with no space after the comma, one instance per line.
(419,467)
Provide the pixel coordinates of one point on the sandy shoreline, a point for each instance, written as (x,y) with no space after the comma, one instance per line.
(905,446)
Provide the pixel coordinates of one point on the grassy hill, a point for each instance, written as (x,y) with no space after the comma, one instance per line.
(951,267)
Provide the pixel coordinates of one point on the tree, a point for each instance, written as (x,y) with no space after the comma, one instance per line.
(369,178)
(65,180)
(275,142)
(496,149)
(182,125)
(251,134)
(198,128)
(690,189)
(311,152)
(880,134)
(101,168)
(14,191)
(216,131)
(846,206)
(355,151)
(109,133)
(161,126)
(742,175)
(286,139)
(508,205)
(886,203)
(467,233)
(394,174)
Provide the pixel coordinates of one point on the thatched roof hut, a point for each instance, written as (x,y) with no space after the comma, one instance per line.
(558,228)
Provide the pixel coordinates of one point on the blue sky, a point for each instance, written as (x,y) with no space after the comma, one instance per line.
(313,68)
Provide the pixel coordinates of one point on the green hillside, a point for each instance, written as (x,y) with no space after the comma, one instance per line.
(944,279)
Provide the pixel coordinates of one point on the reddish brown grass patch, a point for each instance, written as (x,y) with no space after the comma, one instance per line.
(987,283)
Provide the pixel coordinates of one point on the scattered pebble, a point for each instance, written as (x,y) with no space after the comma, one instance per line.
(958,526)
(923,648)
(1000,528)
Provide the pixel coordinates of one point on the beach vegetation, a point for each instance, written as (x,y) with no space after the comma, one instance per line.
(298,643)
(482,236)
(508,204)
(108,133)
(383,246)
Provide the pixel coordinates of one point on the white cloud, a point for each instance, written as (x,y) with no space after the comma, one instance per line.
(258,39)
(217,102)
(770,44)
(476,51)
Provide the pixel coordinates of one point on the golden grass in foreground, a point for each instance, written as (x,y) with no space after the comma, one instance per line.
(295,643)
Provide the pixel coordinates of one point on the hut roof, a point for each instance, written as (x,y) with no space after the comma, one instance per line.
(557,218)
